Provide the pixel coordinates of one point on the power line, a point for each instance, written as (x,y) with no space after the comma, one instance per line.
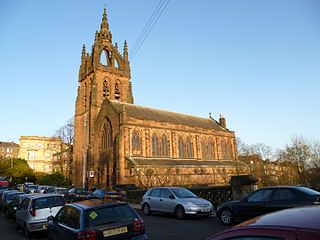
(149,26)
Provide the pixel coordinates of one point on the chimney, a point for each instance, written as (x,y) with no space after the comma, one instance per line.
(222,121)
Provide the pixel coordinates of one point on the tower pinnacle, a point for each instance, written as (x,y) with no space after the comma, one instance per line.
(104,24)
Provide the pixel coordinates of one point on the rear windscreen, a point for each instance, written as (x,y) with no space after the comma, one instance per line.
(109,214)
(49,202)
(82,191)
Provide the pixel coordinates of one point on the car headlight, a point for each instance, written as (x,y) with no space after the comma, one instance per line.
(190,204)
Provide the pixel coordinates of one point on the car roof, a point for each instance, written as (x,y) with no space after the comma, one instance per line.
(39,195)
(300,217)
(96,203)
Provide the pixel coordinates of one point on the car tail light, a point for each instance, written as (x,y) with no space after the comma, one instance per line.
(33,208)
(87,235)
(138,225)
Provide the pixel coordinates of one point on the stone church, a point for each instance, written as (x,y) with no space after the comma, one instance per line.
(118,142)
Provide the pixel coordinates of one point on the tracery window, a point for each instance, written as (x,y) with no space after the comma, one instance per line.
(106,92)
(189,148)
(106,137)
(136,143)
(229,151)
(164,146)
(211,149)
(181,148)
(155,145)
(117,93)
(223,149)
(204,150)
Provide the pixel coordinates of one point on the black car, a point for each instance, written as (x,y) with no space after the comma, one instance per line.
(97,219)
(76,194)
(12,207)
(266,200)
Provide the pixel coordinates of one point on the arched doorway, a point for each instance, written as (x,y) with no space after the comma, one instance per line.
(105,165)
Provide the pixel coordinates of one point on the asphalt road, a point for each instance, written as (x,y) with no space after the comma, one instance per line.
(164,227)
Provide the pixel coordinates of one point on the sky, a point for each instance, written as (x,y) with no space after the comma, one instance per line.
(255,62)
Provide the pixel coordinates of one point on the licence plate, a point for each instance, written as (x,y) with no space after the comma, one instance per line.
(115,231)
(205,210)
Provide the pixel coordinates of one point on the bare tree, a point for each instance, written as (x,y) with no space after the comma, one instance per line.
(66,136)
(299,153)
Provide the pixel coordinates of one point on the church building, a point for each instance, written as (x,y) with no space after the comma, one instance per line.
(118,142)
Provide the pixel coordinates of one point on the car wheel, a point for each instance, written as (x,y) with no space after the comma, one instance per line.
(179,212)
(226,216)
(146,209)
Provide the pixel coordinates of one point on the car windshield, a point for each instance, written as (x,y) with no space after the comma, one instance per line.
(82,191)
(183,193)
(109,214)
(49,202)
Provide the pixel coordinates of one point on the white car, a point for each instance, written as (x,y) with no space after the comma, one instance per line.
(32,215)
(176,200)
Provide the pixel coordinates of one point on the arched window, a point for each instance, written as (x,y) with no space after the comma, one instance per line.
(155,145)
(204,149)
(224,151)
(164,146)
(136,143)
(105,57)
(106,92)
(117,92)
(189,148)
(106,141)
(211,149)
(229,150)
(181,148)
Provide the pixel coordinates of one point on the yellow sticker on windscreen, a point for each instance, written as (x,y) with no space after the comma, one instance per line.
(93,215)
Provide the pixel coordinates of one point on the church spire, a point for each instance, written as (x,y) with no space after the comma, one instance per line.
(104,24)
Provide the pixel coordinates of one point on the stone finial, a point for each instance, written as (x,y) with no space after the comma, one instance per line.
(116,45)
(125,51)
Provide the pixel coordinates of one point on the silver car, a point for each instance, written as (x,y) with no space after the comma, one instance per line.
(176,200)
(32,214)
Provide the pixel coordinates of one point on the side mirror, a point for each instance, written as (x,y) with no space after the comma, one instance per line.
(172,197)
(50,218)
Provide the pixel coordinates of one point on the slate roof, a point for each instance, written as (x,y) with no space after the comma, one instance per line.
(165,162)
(146,113)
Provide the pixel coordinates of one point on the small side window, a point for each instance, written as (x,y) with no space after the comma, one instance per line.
(155,193)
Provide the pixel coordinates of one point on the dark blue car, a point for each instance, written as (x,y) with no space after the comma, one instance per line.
(97,219)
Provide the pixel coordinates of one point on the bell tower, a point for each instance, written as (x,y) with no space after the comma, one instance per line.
(104,75)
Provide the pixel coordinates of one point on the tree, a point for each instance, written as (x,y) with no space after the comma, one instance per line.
(19,173)
(299,153)
(66,136)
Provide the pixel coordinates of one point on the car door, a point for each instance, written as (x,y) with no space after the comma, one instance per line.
(283,198)
(167,202)
(66,224)
(21,213)
(154,199)
(256,204)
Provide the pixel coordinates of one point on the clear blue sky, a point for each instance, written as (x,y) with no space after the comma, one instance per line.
(256,62)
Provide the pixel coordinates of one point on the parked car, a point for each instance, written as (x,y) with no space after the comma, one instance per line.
(13,205)
(4,182)
(97,219)
(176,200)
(295,223)
(3,197)
(61,190)
(103,194)
(8,199)
(32,214)
(76,194)
(266,200)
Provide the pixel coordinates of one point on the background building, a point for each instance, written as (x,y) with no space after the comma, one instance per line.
(39,152)
(9,150)
(117,142)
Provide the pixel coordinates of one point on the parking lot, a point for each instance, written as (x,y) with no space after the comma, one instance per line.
(157,227)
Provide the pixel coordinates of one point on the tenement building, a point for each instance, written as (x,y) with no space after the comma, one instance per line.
(9,150)
(39,152)
(118,142)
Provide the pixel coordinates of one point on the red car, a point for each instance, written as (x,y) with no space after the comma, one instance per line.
(3,182)
(301,223)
